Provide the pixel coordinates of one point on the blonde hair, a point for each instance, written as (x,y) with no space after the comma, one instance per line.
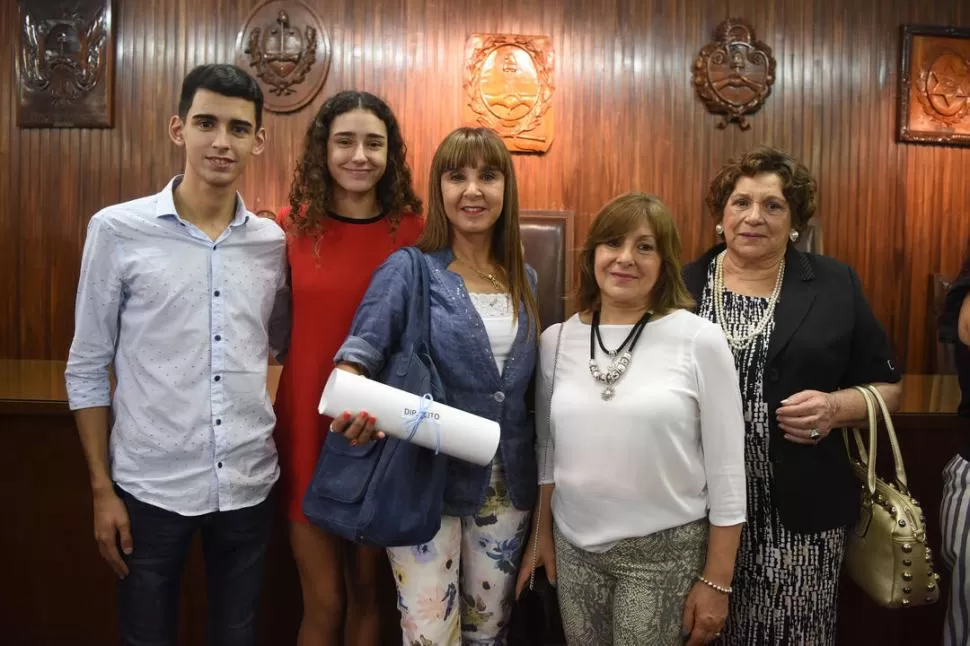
(617,219)
(473,147)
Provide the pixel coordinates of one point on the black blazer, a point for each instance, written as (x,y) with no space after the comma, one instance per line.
(825,338)
(949,320)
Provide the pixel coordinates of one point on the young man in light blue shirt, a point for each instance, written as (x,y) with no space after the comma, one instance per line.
(182,294)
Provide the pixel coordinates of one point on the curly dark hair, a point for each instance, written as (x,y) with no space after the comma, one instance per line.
(311,192)
(797,184)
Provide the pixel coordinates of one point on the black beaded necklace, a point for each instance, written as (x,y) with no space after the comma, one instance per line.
(617,366)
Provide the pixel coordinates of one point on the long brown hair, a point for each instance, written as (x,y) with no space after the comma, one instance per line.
(311,192)
(618,217)
(474,147)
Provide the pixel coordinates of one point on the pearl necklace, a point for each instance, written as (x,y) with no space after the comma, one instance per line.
(742,342)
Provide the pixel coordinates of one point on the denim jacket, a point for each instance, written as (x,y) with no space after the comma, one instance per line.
(463,356)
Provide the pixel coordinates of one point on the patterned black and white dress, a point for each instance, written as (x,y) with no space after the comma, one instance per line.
(785,584)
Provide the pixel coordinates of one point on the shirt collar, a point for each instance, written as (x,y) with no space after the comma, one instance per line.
(165,204)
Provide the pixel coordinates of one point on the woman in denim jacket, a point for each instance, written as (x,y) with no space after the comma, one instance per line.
(458,587)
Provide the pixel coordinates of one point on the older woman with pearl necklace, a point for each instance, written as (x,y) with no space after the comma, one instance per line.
(802,335)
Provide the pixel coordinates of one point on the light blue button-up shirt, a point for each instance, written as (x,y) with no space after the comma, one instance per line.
(185,322)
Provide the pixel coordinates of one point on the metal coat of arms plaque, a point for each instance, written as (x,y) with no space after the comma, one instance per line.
(286,47)
(734,73)
(65,64)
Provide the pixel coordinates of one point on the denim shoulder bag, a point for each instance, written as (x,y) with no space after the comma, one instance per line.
(390,492)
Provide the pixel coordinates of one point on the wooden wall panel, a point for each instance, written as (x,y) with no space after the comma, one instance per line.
(626,118)
(11,213)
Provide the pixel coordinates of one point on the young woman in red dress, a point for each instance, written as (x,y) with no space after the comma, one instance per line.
(352,204)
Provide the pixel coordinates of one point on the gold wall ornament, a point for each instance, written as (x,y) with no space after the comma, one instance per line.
(934,86)
(943,87)
(65,64)
(734,73)
(285,45)
(508,85)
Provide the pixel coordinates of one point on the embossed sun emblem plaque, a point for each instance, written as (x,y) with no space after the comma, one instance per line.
(508,87)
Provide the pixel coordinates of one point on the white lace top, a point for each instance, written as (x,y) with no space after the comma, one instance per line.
(496,313)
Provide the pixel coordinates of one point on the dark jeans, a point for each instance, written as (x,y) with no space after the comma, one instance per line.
(234,544)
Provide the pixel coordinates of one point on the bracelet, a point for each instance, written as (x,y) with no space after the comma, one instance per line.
(719,588)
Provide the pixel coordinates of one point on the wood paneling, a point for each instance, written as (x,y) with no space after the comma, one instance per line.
(58,592)
(626,118)
(48,537)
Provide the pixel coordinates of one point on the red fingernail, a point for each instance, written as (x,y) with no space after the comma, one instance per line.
(353,442)
(345,416)
(373,420)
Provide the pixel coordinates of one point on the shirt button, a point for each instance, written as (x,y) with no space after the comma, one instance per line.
(218,338)
(773,375)
(215,293)
(216,378)
(218,422)
(499,396)
(220,465)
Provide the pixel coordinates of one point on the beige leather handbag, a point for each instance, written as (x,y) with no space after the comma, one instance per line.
(887,554)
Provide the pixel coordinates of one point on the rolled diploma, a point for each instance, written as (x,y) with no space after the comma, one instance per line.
(463,435)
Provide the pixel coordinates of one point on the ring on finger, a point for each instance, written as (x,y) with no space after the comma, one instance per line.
(814,435)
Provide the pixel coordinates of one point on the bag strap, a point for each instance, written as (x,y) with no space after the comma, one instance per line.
(867,458)
(900,468)
(545,457)
(417,330)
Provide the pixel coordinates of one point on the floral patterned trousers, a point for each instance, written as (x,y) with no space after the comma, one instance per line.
(459,587)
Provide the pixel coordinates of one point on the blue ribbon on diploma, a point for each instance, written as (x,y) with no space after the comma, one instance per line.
(413,422)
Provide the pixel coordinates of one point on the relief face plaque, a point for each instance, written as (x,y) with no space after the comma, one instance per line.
(286,47)
(734,73)
(934,88)
(508,87)
(65,64)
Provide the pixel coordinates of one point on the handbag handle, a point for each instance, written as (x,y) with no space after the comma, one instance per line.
(868,458)
(898,465)
(545,457)
(876,406)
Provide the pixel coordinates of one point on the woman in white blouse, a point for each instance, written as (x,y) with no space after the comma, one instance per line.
(640,446)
